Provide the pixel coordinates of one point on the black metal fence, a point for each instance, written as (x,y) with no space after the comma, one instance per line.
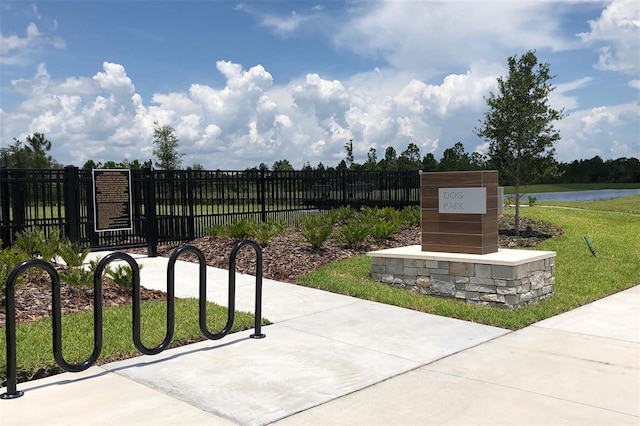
(173,206)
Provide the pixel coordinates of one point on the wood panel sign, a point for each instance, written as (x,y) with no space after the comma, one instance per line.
(460,212)
(112,200)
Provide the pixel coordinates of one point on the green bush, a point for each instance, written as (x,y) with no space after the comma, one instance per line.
(121,275)
(316,229)
(216,231)
(9,258)
(77,277)
(239,229)
(532,201)
(29,241)
(382,230)
(264,231)
(343,214)
(34,242)
(410,216)
(353,232)
(72,253)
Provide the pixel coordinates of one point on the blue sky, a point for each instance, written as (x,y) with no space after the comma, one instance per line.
(259,81)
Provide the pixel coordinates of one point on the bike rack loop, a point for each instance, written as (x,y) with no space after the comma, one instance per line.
(56,317)
(232,284)
(10,326)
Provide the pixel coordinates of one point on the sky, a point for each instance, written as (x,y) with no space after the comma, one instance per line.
(244,83)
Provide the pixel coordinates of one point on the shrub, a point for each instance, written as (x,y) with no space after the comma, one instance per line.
(264,231)
(121,275)
(410,216)
(239,229)
(9,258)
(532,200)
(77,277)
(216,231)
(353,232)
(382,230)
(316,229)
(342,214)
(72,253)
(34,242)
(29,240)
(395,216)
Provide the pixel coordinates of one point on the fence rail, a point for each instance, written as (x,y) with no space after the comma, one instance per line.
(174,206)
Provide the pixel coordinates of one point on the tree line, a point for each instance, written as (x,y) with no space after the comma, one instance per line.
(34,154)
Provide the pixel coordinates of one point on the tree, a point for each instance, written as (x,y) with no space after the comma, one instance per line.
(429,163)
(37,147)
(410,158)
(349,148)
(478,161)
(282,166)
(196,166)
(519,125)
(390,160)
(166,151)
(14,156)
(90,164)
(372,160)
(455,159)
(32,155)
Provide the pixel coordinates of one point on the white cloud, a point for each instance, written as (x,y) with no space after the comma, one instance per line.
(618,27)
(247,121)
(452,33)
(14,49)
(559,98)
(600,131)
(281,24)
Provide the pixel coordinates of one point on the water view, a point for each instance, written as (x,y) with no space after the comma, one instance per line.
(592,195)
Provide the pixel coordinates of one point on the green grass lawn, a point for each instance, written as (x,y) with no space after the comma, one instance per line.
(580,278)
(532,189)
(34,352)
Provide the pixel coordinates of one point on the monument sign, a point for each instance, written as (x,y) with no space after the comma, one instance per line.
(460,212)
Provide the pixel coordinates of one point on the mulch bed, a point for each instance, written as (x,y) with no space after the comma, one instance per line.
(285,258)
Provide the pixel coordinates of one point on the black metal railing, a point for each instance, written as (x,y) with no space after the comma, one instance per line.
(10,326)
(180,205)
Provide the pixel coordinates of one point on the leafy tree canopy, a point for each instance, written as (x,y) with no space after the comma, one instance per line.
(166,150)
(519,124)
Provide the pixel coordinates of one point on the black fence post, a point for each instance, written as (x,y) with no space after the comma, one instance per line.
(151,223)
(18,206)
(263,203)
(72,203)
(343,185)
(191,228)
(5,217)
(407,190)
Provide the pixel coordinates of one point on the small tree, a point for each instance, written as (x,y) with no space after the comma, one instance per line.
(455,159)
(32,155)
(166,151)
(282,166)
(349,148)
(372,160)
(410,158)
(519,125)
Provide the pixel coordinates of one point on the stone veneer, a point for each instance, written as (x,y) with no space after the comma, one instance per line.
(508,278)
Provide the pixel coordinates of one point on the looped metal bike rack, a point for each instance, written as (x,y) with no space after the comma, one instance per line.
(10,327)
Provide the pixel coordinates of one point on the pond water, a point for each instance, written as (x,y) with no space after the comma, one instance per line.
(598,194)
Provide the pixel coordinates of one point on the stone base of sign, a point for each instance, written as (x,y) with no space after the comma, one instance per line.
(506,278)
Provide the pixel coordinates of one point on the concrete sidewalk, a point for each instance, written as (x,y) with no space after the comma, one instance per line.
(332,359)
